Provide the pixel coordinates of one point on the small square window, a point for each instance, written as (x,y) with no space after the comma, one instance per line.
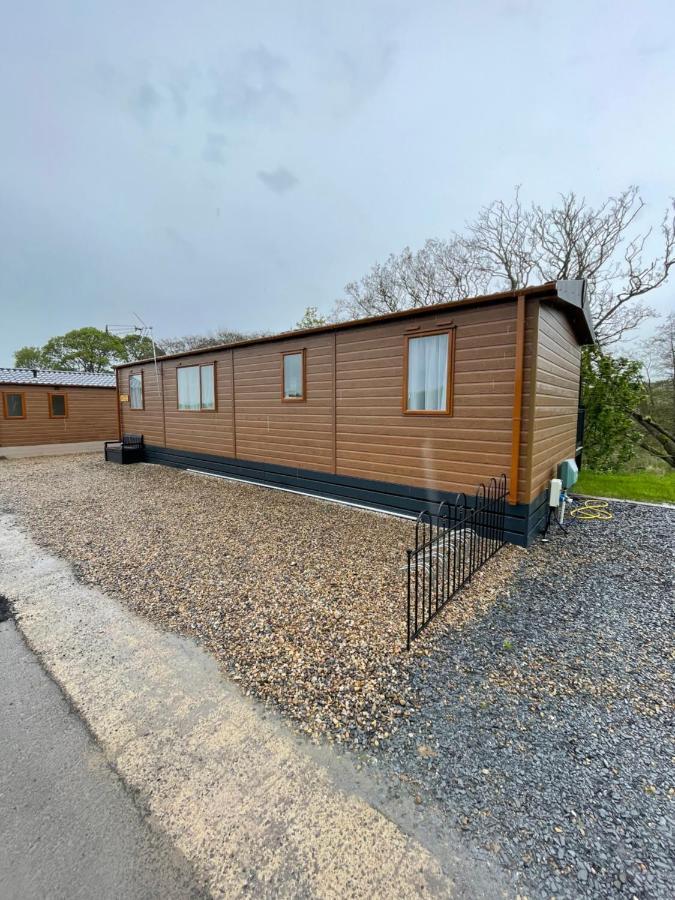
(58,407)
(136,391)
(294,375)
(14,406)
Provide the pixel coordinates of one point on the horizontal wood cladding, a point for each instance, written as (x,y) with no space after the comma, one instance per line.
(451,453)
(147,421)
(556,397)
(351,422)
(92,416)
(270,430)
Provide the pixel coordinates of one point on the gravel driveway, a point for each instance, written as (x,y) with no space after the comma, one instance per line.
(545,729)
(535,713)
(301,601)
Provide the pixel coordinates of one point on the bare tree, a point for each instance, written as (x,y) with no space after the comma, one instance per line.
(509,246)
(500,244)
(211,339)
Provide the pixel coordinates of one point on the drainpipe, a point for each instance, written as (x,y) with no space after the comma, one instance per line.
(517,414)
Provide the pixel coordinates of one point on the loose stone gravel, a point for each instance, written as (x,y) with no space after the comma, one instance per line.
(301,601)
(545,728)
(535,713)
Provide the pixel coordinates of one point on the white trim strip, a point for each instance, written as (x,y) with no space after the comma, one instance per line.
(276,487)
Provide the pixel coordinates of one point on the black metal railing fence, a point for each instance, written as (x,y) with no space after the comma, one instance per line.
(451,545)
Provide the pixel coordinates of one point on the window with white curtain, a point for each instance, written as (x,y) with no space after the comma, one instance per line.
(135,392)
(427,377)
(196,387)
(294,377)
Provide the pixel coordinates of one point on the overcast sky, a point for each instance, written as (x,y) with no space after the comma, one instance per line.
(211,164)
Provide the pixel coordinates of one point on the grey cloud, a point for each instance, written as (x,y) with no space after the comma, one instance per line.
(355,77)
(214,150)
(655,48)
(279,181)
(145,103)
(251,88)
(179,84)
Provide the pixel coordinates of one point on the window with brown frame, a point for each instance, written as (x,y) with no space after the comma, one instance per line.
(196,387)
(136,391)
(14,406)
(58,406)
(428,362)
(294,386)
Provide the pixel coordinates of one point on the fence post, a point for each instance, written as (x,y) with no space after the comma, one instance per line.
(410,552)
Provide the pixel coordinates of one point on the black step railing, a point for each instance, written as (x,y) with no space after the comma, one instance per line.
(451,545)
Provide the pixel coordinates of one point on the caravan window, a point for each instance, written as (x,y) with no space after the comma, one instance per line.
(428,368)
(293,375)
(136,391)
(196,387)
(14,406)
(58,406)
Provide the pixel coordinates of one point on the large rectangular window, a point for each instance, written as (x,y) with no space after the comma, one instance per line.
(14,406)
(196,387)
(293,375)
(427,374)
(136,391)
(58,406)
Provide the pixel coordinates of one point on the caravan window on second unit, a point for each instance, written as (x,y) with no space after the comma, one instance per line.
(135,392)
(196,387)
(58,406)
(14,406)
(427,381)
(294,376)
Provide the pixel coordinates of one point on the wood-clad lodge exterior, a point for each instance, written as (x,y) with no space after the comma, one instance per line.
(350,428)
(48,407)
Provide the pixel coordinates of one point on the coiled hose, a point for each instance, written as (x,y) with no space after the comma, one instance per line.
(591,509)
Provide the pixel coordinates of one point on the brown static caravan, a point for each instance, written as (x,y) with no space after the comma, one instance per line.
(48,407)
(392,412)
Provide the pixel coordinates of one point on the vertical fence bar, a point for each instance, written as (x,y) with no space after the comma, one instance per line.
(408,639)
(495,528)
(424,569)
(481,493)
(502,482)
(430,568)
(417,574)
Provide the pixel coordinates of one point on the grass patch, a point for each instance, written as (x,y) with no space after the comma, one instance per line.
(628,485)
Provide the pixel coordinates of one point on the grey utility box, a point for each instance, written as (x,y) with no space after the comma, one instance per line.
(568,473)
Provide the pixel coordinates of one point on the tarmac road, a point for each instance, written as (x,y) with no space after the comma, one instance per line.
(68,826)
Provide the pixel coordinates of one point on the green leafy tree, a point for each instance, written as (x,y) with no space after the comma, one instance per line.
(612,389)
(137,346)
(29,358)
(84,350)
